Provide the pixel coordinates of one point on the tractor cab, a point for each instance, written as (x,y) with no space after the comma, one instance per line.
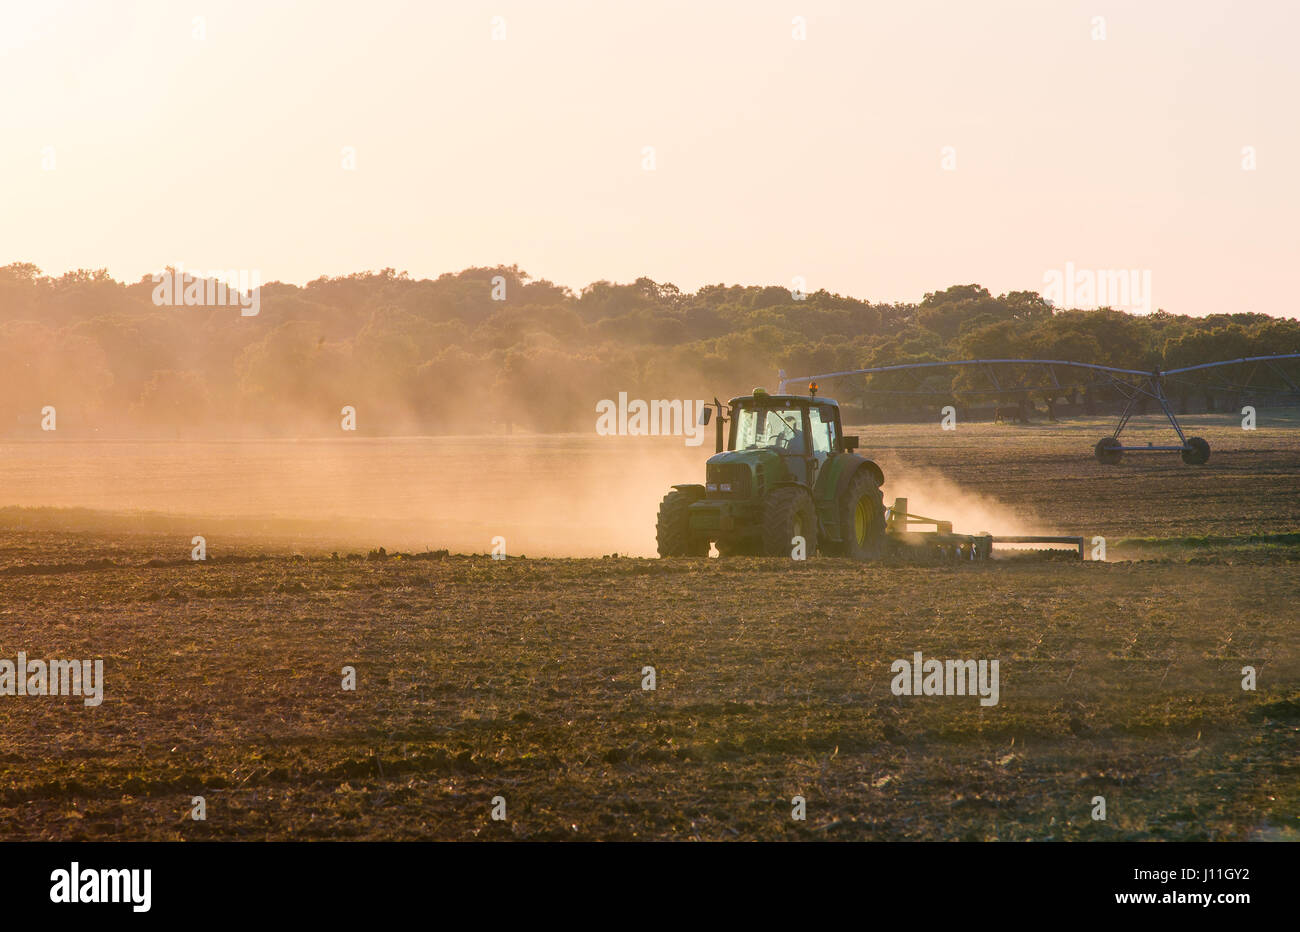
(783,470)
(803,430)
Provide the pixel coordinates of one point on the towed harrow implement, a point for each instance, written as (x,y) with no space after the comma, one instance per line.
(943,543)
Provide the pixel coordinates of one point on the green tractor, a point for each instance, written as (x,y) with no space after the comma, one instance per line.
(786,471)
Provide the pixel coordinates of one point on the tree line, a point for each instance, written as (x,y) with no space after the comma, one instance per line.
(492,349)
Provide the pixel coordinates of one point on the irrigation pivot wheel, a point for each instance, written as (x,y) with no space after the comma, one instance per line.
(1108,450)
(1197,452)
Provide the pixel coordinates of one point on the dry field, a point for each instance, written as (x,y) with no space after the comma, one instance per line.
(523,678)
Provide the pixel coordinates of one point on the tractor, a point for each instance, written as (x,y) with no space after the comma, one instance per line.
(783,470)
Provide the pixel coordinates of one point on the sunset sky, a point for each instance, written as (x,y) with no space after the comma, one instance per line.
(136,136)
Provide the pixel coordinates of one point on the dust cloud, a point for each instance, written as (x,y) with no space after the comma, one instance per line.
(547,495)
(931,494)
(577,495)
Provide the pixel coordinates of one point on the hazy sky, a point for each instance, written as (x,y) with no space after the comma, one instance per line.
(773,157)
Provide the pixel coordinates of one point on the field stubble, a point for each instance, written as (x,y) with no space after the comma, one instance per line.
(522,678)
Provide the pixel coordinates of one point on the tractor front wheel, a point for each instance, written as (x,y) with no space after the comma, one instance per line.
(862,519)
(738,547)
(673,528)
(789,513)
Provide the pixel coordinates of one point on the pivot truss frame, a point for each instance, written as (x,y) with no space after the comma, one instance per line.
(1134,385)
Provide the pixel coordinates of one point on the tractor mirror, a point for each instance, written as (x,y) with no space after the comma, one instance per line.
(850,444)
(705,414)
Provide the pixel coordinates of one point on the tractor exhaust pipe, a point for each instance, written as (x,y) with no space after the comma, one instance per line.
(705,414)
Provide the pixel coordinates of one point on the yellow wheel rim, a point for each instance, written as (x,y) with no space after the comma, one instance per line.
(861,521)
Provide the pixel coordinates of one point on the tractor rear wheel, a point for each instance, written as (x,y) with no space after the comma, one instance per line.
(788,512)
(673,528)
(1108,450)
(1197,452)
(862,519)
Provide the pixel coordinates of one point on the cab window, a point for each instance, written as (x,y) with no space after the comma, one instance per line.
(823,429)
(769,427)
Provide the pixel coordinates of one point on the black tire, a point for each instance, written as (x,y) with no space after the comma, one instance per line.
(1108,451)
(673,527)
(862,518)
(742,547)
(789,512)
(1197,452)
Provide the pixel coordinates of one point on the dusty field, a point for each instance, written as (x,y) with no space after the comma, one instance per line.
(522,678)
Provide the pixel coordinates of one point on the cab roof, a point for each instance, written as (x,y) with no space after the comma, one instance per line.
(798,399)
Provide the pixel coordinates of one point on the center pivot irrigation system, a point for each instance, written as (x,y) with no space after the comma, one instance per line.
(1134,385)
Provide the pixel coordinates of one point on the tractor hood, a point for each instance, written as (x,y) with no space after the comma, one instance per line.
(747,457)
(743,474)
